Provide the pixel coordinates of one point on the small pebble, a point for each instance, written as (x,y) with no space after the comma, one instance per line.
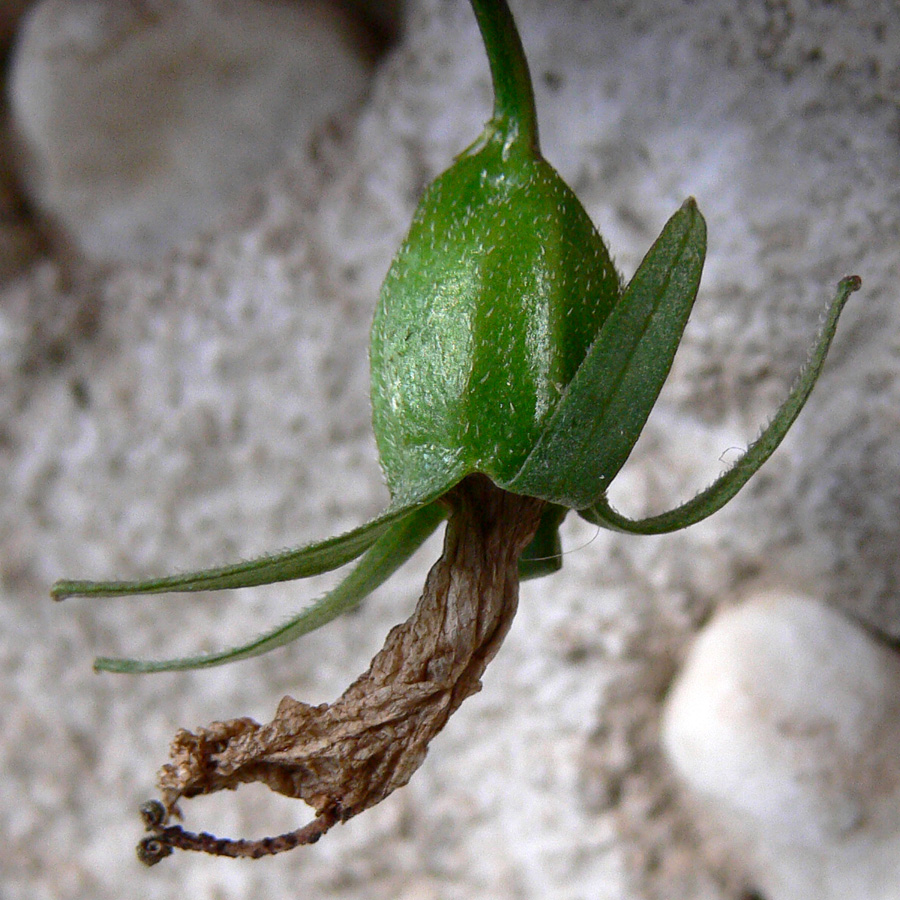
(784,726)
(140,124)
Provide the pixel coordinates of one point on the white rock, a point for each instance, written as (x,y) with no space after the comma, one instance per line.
(141,124)
(784,726)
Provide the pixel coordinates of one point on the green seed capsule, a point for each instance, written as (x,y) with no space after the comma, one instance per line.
(485,315)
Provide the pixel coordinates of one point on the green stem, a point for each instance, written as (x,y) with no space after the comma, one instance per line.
(514,109)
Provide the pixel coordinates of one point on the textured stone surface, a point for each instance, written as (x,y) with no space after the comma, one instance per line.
(213,404)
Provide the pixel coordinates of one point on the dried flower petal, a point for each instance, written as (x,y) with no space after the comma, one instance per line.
(344,757)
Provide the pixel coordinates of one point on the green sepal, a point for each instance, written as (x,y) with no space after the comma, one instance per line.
(729,483)
(396,543)
(302,562)
(543,556)
(605,407)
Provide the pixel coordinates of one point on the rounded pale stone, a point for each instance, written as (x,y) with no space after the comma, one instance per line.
(141,123)
(785,727)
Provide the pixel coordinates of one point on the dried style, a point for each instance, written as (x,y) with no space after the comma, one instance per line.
(344,757)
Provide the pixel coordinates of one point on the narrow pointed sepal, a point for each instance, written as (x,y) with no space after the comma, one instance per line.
(303,562)
(729,483)
(605,406)
(394,547)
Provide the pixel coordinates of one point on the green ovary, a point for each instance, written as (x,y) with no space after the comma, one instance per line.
(486,313)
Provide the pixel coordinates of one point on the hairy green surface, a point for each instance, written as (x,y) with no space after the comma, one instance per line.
(486,314)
